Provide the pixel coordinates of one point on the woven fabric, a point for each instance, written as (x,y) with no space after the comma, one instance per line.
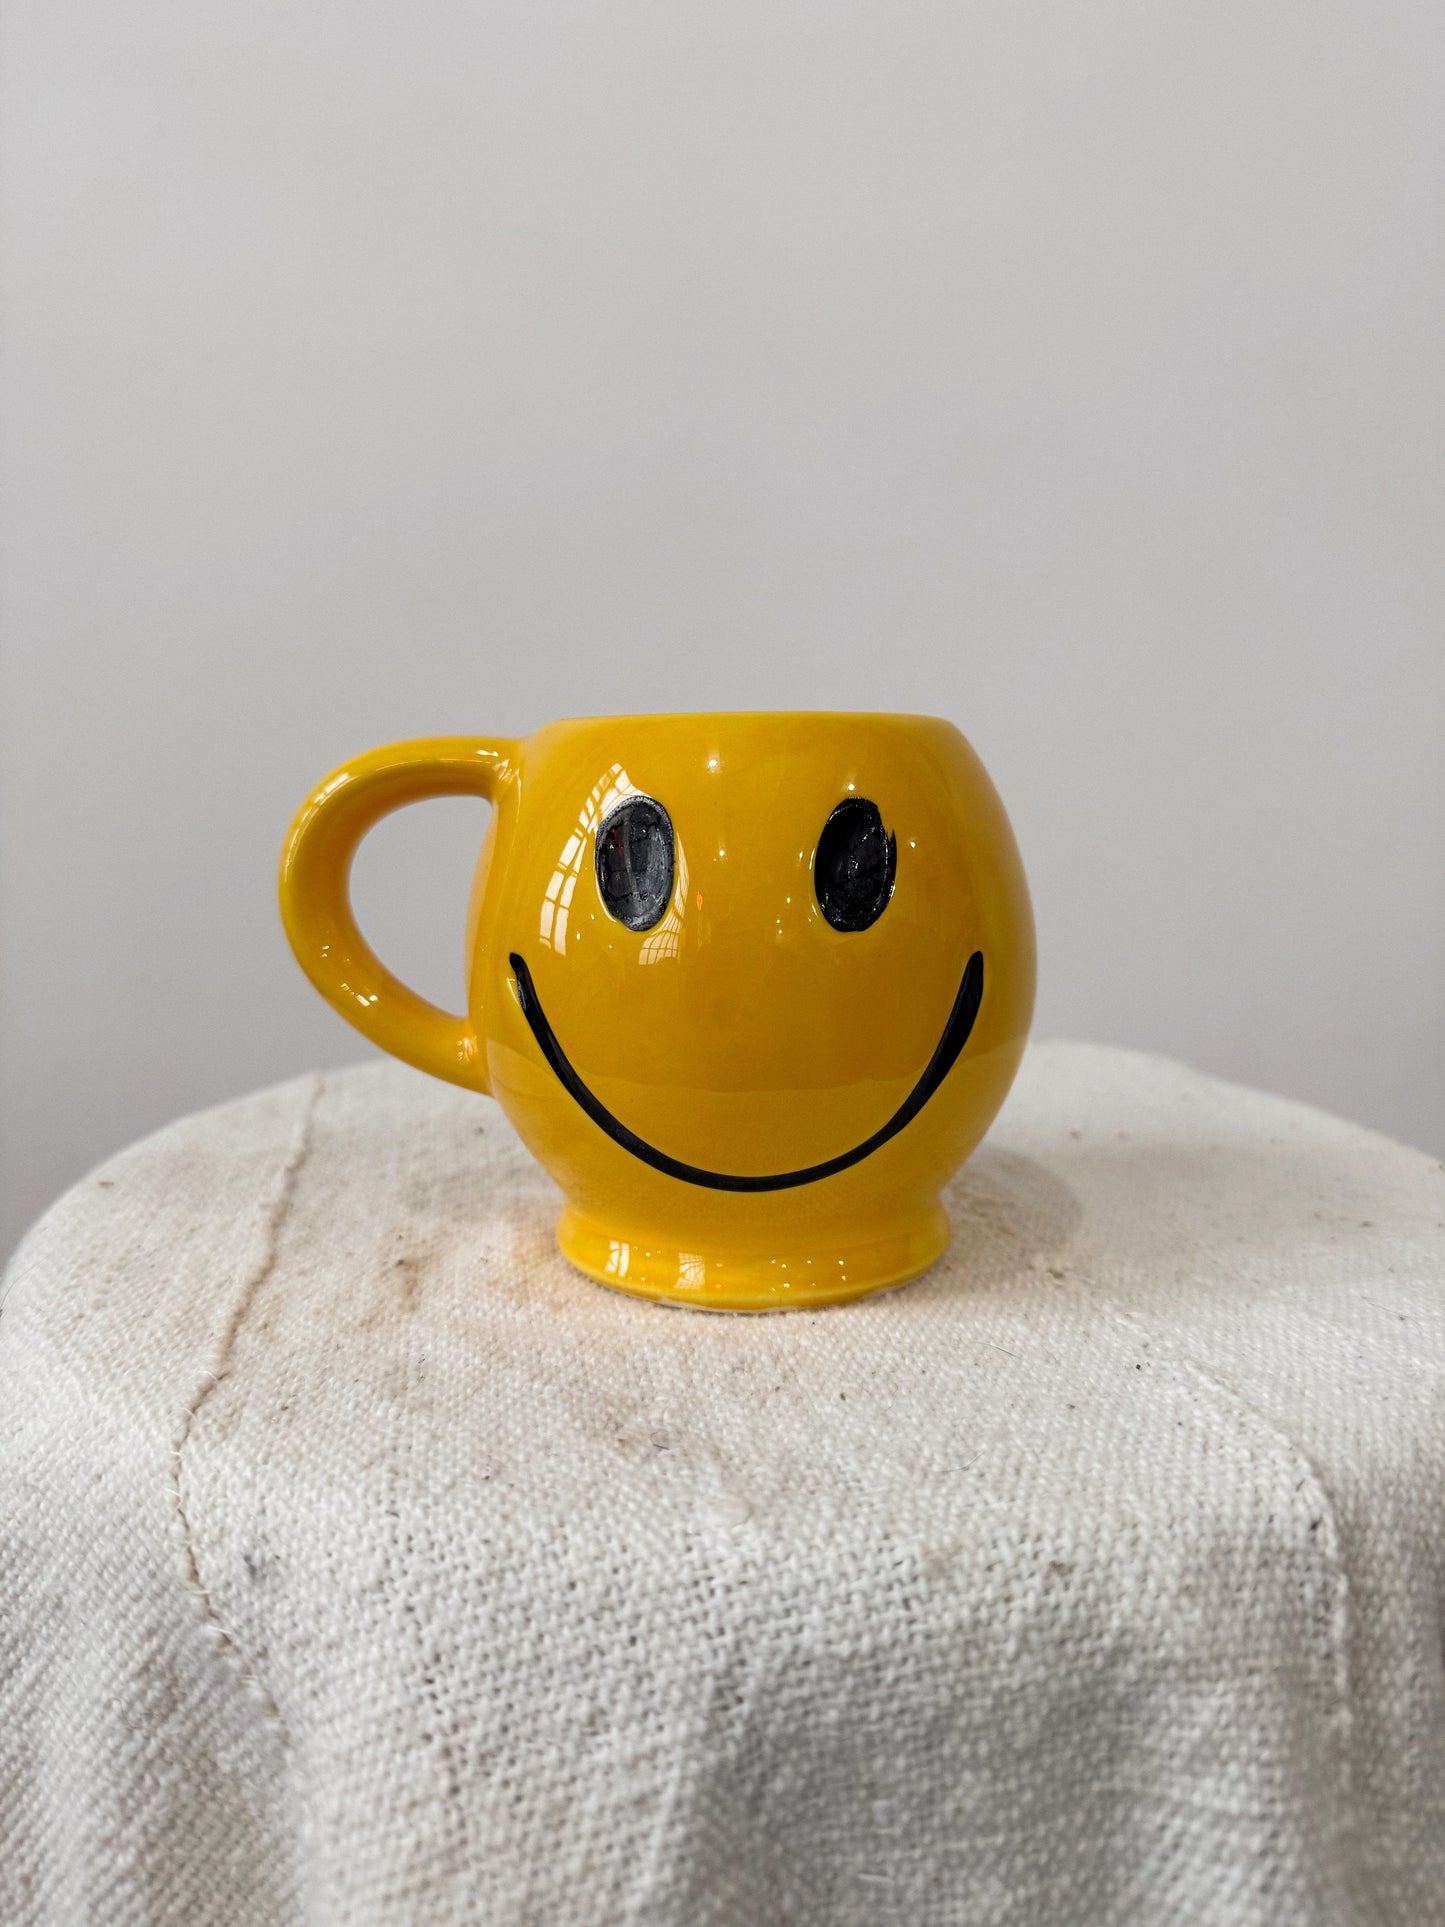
(361,1563)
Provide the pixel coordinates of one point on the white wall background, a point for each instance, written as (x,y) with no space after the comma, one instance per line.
(378,369)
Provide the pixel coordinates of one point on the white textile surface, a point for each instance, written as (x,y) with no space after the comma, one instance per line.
(359,1562)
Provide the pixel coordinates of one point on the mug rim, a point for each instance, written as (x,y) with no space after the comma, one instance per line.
(751,715)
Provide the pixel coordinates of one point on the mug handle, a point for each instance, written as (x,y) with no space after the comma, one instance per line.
(316,902)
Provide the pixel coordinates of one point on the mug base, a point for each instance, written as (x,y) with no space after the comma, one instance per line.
(827,1272)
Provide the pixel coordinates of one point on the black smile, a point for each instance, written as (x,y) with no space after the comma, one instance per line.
(955,1036)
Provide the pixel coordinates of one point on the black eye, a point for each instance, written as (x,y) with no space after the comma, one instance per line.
(634,862)
(853,870)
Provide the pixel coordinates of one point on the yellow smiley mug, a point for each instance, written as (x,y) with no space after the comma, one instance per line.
(750,987)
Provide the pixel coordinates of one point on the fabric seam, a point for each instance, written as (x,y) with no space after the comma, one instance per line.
(276,1214)
(1321,1503)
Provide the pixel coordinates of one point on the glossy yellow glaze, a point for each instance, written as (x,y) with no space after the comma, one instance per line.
(742,1034)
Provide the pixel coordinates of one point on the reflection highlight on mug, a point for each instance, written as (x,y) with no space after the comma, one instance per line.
(691,1265)
(606,793)
(659,943)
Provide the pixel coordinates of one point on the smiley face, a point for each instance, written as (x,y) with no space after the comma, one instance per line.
(751,972)
(853,881)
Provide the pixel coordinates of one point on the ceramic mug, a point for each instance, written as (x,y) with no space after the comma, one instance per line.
(750,987)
